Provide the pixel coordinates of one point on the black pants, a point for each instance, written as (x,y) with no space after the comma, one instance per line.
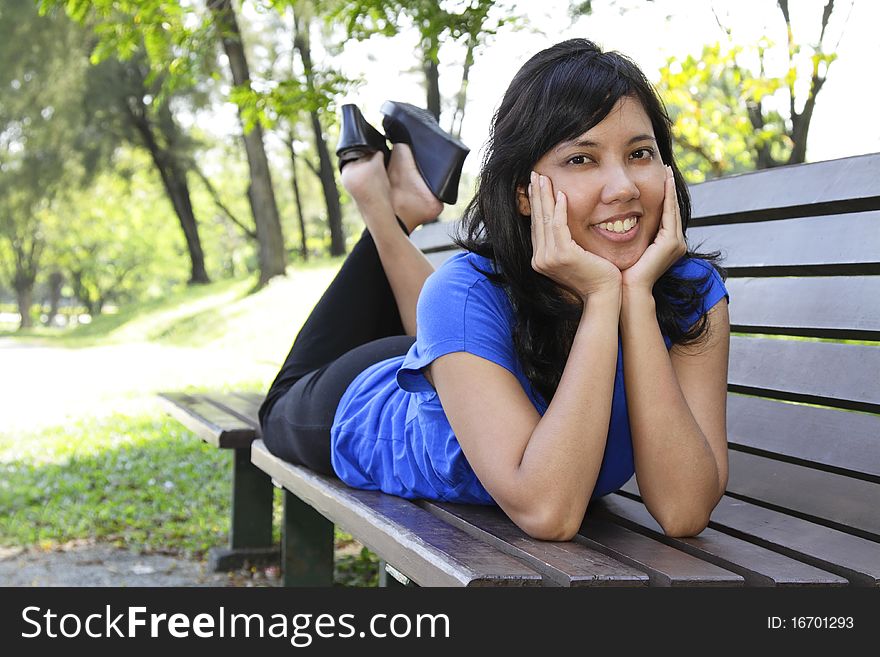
(355,324)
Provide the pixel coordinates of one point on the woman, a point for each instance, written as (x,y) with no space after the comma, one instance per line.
(541,374)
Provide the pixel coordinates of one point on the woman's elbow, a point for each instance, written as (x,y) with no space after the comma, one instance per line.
(684,527)
(549,524)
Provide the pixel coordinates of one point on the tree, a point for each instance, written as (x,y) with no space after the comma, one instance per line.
(437,23)
(121,99)
(261,194)
(714,136)
(44,146)
(725,113)
(112,251)
(298,95)
(179,39)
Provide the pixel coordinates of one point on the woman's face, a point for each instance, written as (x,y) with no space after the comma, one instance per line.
(613,178)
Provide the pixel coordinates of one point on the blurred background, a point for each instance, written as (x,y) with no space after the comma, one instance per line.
(170,208)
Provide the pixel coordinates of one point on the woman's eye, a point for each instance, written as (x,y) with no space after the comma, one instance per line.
(643,154)
(578,159)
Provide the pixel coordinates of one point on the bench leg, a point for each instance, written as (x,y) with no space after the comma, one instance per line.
(306,545)
(250,526)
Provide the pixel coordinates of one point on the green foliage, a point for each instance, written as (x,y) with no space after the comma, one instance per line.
(361,569)
(709,98)
(177,37)
(116,241)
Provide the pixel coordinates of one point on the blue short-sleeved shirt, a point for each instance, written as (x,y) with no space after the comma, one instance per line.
(390,432)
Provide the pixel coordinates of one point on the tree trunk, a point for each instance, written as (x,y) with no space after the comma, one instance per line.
(328,185)
(432,87)
(174,181)
(303,249)
(24,293)
(325,164)
(262,197)
(55,281)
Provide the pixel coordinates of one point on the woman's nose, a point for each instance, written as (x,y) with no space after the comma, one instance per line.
(619,186)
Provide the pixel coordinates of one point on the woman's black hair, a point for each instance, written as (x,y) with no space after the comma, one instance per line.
(558,95)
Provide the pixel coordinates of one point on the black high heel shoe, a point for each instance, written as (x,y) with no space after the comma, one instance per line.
(439,156)
(358,138)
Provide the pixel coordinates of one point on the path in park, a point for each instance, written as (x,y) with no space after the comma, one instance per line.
(44,386)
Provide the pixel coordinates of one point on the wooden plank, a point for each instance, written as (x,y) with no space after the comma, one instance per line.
(209,422)
(245,409)
(757,565)
(846,502)
(424,548)
(855,558)
(836,185)
(850,239)
(435,236)
(565,563)
(848,371)
(826,306)
(839,439)
(664,565)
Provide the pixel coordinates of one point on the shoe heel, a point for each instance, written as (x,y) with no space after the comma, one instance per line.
(358,138)
(439,156)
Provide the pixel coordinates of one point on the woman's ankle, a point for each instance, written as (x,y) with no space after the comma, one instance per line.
(412,200)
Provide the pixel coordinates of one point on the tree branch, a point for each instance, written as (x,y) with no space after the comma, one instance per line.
(219,203)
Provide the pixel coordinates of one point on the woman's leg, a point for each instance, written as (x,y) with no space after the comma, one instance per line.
(376,290)
(381,197)
(297,428)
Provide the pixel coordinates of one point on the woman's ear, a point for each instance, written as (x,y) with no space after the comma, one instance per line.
(522,201)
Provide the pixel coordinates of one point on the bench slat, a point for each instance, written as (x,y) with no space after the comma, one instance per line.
(855,558)
(435,236)
(757,565)
(664,565)
(244,408)
(827,306)
(839,439)
(424,548)
(565,563)
(845,501)
(208,421)
(835,186)
(792,243)
(848,371)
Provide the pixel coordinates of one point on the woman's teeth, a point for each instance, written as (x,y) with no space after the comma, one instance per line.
(619,226)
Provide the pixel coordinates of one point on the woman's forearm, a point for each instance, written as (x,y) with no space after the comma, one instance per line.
(675,466)
(564,453)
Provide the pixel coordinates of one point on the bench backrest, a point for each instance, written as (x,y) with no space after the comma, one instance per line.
(802,248)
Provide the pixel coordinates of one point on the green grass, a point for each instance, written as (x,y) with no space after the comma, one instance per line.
(142,483)
(134,481)
(139,479)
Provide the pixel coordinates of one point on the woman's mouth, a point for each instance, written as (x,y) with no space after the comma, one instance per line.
(619,230)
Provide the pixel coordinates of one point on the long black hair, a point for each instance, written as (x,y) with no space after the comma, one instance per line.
(558,95)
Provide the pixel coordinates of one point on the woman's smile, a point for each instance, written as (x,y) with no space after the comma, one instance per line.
(620,229)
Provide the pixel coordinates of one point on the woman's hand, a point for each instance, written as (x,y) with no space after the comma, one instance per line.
(667,248)
(555,254)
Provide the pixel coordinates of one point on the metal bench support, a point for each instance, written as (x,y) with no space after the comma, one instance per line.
(250,525)
(306,545)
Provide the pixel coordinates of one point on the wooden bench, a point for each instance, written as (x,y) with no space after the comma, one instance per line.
(802,248)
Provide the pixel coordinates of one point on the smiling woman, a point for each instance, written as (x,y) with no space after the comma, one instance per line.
(541,374)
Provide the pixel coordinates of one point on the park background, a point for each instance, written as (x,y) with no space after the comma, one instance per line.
(142,249)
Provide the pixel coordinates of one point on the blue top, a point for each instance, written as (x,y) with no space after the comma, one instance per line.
(390,432)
